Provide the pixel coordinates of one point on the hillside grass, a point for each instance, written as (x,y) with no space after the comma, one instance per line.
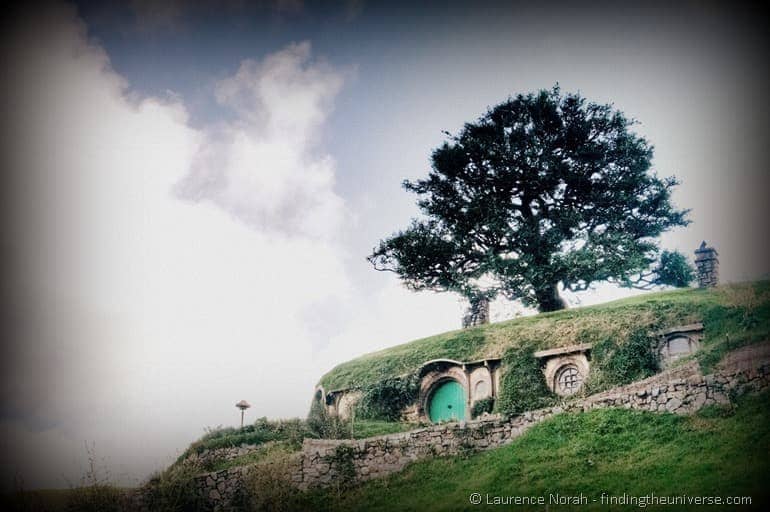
(275,449)
(733,315)
(275,437)
(722,451)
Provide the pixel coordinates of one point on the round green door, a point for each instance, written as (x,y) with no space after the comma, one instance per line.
(447,403)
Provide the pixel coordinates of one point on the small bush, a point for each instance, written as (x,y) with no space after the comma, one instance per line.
(260,432)
(482,406)
(323,425)
(341,461)
(268,487)
(386,399)
(95,497)
(95,493)
(173,490)
(616,363)
(523,386)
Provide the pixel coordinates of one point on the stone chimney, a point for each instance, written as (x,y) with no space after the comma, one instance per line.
(708,266)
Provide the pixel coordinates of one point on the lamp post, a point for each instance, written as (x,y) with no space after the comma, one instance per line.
(242,405)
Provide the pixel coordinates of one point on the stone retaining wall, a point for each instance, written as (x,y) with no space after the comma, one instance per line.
(211,457)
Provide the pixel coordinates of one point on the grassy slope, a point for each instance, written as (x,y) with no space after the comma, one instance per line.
(277,437)
(273,450)
(721,451)
(742,312)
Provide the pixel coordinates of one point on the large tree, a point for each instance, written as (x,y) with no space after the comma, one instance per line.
(543,190)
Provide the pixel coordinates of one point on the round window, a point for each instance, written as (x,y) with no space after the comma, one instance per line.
(568,379)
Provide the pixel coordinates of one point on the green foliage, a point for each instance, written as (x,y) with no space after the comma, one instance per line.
(341,462)
(268,488)
(674,270)
(522,387)
(265,452)
(259,432)
(561,328)
(482,406)
(543,189)
(404,359)
(614,451)
(740,318)
(363,428)
(386,399)
(732,315)
(323,425)
(95,492)
(717,411)
(173,490)
(616,362)
(95,498)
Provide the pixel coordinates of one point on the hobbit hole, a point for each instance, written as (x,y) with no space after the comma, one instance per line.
(449,389)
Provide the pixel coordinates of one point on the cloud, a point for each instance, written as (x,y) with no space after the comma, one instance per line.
(263,167)
(161,272)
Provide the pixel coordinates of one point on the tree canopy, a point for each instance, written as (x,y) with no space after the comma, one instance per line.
(543,190)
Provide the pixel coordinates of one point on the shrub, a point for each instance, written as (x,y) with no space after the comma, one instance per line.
(386,399)
(96,497)
(523,386)
(173,490)
(323,425)
(269,487)
(482,406)
(341,461)
(259,432)
(95,493)
(616,363)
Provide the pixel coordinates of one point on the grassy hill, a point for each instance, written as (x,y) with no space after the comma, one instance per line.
(721,451)
(733,315)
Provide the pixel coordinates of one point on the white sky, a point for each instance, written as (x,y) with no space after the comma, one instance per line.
(165,270)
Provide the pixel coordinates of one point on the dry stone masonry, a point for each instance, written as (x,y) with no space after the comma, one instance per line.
(211,457)
(707,264)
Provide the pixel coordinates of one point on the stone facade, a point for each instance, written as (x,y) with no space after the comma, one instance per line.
(678,342)
(707,264)
(339,402)
(479,380)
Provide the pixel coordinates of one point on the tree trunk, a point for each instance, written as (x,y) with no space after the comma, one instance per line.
(548,299)
(478,313)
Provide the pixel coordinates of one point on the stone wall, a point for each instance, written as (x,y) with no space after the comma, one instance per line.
(220,490)
(682,390)
(209,457)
